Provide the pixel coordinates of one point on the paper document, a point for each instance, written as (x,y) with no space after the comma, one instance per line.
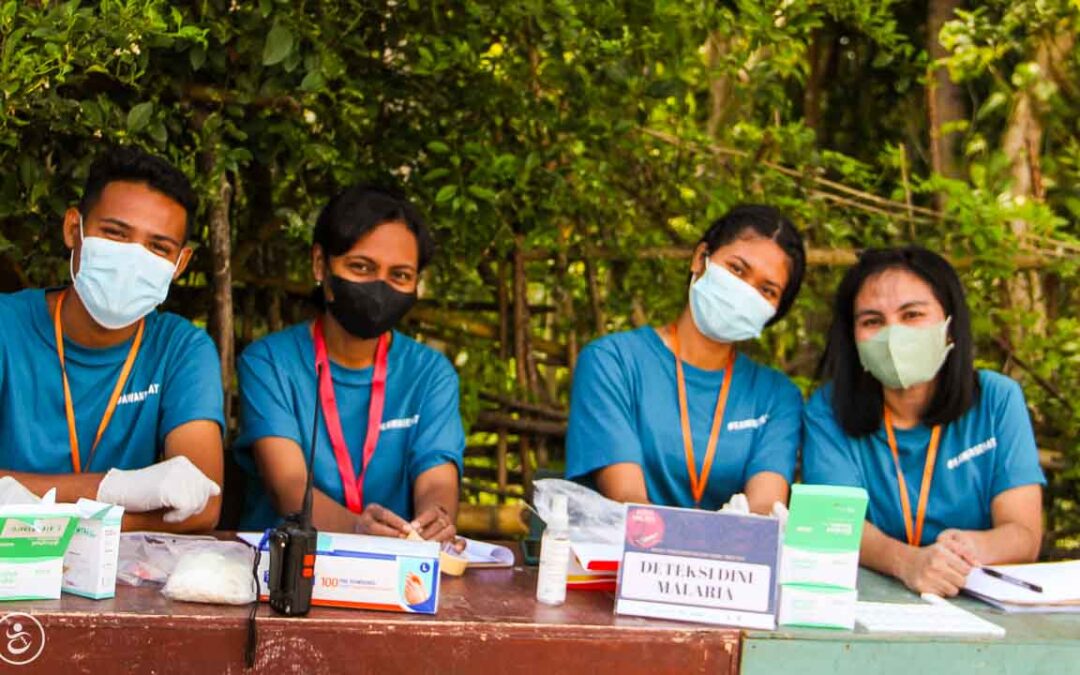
(598,557)
(937,618)
(1060,582)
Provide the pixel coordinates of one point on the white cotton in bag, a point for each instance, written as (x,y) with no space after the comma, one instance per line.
(218,574)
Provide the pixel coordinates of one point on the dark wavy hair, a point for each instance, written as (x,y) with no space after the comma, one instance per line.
(354,212)
(857,396)
(130,164)
(770,223)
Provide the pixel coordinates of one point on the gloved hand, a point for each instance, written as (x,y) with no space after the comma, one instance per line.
(737,504)
(175,484)
(14,492)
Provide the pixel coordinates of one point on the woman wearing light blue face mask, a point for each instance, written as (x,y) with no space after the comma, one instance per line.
(946,453)
(675,415)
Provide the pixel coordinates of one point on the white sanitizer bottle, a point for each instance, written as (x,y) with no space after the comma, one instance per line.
(554,555)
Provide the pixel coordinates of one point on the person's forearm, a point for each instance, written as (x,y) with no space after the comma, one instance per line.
(765,489)
(152,521)
(882,553)
(443,494)
(1007,543)
(70,487)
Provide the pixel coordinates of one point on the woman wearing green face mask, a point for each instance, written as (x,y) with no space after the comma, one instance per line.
(946,453)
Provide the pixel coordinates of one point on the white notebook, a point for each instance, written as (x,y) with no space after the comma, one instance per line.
(935,617)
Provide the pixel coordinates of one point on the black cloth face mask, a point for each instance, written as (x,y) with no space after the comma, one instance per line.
(367,309)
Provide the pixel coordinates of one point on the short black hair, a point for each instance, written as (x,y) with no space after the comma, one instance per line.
(857,398)
(768,222)
(354,212)
(128,163)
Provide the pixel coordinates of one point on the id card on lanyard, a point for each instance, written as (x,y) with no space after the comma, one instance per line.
(350,480)
(69,407)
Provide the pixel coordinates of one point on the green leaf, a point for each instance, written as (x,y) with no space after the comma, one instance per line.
(438,147)
(484,193)
(197,56)
(445,194)
(139,116)
(279,44)
(313,81)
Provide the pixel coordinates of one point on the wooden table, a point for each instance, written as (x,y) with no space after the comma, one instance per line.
(1035,644)
(488,622)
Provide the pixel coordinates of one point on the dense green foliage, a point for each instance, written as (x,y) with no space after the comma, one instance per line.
(571,127)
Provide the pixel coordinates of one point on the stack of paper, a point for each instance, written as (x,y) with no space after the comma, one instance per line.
(939,617)
(1060,583)
(593,567)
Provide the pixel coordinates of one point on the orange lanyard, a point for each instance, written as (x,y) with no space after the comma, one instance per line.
(914,533)
(698,482)
(69,409)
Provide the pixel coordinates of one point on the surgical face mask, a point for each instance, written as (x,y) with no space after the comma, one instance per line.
(118,282)
(902,356)
(725,308)
(367,309)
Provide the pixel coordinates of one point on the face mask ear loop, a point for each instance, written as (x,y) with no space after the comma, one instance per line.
(71,258)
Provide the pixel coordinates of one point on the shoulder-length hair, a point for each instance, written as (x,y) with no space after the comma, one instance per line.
(857,396)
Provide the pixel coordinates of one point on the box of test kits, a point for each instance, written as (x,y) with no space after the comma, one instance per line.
(823,534)
(33,539)
(362,572)
(90,563)
(817,606)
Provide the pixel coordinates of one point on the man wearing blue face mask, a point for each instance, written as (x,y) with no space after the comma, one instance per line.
(100,395)
(675,415)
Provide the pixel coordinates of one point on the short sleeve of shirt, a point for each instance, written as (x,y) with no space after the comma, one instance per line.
(440,437)
(264,408)
(777,447)
(1016,456)
(827,454)
(601,430)
(192,389)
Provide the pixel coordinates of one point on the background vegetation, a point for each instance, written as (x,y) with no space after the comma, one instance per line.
(568,154)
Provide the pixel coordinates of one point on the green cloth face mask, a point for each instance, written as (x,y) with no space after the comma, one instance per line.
(902,356)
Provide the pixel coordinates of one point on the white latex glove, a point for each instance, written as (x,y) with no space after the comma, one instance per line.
(175,484)
(737,504)
(780,512)
(14,492)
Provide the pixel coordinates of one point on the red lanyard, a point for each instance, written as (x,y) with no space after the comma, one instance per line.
(698,482)
(914,532)
(110,407)
(353,483)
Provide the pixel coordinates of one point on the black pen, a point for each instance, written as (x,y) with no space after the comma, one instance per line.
(1012,580)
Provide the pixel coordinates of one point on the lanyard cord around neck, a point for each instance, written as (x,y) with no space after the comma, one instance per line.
(69,407)
(914,530)
(353,483)
(699,481)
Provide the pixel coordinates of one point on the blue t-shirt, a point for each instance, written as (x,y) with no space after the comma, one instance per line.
(624,407)
(421,426)
(990,449)
(176,379)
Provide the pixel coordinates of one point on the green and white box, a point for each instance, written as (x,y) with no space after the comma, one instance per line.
(817,606)
(33,539)
(822,537)
(90,563)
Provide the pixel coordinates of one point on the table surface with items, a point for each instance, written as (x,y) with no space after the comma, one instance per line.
(489,619)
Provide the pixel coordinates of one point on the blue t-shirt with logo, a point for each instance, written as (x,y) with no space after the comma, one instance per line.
(989,449)
(176,378)
(421,426)
(624,407)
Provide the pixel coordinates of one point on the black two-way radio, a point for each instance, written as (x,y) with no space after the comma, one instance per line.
(292,544)
(292,553)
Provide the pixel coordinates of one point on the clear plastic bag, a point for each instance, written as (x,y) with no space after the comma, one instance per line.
(594,519)
(218,572)
(150,557)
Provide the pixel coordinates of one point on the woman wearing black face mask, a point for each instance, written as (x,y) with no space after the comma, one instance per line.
(390,439)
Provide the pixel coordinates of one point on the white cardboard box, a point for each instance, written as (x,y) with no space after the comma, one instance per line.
(364,572)
(818,606)
(802,566)
(90,563)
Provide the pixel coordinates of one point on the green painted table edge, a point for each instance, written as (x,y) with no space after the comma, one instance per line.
(1034,643)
